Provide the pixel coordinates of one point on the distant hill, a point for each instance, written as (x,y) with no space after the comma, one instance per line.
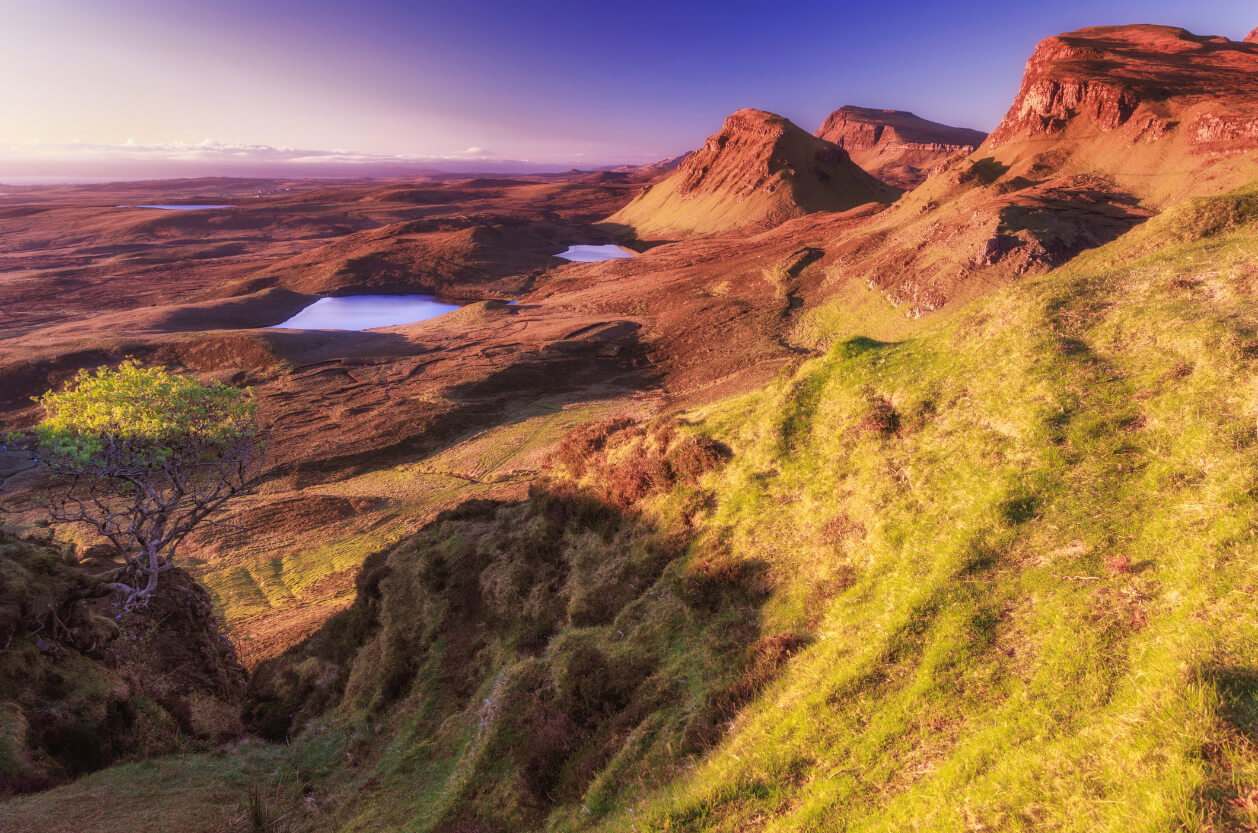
(757,172)
(898,147)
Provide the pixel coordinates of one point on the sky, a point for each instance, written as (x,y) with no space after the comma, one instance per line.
(311,87)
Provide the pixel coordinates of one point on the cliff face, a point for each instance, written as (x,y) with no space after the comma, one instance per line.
(898,147)
(1111,125)
(1148,81)
(757,172)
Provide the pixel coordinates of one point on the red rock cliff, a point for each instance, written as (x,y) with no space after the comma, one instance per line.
(1104,75)
(896,146)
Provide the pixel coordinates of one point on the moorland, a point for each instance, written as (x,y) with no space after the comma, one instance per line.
(904,478)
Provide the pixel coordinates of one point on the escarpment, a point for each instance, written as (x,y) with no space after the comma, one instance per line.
(1162,111)
(898,147)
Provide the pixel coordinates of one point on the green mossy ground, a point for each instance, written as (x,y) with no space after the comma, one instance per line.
(997,575)
(84,684)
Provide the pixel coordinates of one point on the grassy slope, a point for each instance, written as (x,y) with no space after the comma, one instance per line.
(289,584)
(207,793)
(1019,545)
(1048,619)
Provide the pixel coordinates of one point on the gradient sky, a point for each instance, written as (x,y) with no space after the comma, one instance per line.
(549,81)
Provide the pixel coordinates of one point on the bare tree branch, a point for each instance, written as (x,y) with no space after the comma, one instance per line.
(148,479)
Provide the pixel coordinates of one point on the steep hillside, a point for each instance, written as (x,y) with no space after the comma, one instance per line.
(1162,112)
(1110,126)
(757,172)
(998,575)
(84,684)
(898,147)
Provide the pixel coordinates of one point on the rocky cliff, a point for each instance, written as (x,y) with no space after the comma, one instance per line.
(898,147)
(1165,112)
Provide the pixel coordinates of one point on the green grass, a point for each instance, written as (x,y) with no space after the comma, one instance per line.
(1046,618)
(856,311)
(207,793)
(1020,545)
(1017,549)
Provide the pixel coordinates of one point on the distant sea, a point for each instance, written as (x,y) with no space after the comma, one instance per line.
(97,180)
(67,180)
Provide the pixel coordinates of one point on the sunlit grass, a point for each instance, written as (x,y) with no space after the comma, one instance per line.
(1047,569)
(1017,549)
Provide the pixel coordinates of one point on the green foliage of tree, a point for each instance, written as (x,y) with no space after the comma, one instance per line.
(143,456)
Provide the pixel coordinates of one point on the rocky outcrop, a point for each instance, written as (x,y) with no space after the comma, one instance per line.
(757,172)
(1252,37)
(1106,76)
(1047,101)
(898,147)
(1161,112)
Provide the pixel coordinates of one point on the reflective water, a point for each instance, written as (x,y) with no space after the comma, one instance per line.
(178,207)
(365,312)
(593,254)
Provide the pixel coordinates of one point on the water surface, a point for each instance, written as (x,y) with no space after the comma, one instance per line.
(365,312)
(178,207)
(593,254)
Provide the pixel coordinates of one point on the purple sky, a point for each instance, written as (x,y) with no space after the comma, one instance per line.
(375,86)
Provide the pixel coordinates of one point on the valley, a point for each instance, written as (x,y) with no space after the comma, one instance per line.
(894,476)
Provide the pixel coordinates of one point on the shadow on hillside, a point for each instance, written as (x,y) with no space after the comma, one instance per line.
(1238,697)
(553,624)
(588,366)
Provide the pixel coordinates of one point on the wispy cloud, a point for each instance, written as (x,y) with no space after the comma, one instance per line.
(214,158)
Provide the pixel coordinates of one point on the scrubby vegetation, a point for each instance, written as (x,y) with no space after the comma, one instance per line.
(529,646)
(999,575)
(141,457)
(84,684)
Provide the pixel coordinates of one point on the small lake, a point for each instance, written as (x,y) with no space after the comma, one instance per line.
(179,207)
(366,312)
(593,254)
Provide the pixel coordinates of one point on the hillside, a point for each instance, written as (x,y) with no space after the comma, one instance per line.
(835,508)
(85,684)
(757,172)
(896,146)
(1110,126)
(1162,112)
(997,574)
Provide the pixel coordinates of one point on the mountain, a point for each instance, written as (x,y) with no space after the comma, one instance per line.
(1111,125)
(898,147)
(757,172)
(930,516)
(1162,112)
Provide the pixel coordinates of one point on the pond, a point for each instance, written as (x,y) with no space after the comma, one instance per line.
(178,207)
(593,254)
(365,312)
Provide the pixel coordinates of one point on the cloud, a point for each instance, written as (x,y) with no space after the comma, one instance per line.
(210,157)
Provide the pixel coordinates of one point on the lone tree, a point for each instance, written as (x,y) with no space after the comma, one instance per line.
(143,457)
